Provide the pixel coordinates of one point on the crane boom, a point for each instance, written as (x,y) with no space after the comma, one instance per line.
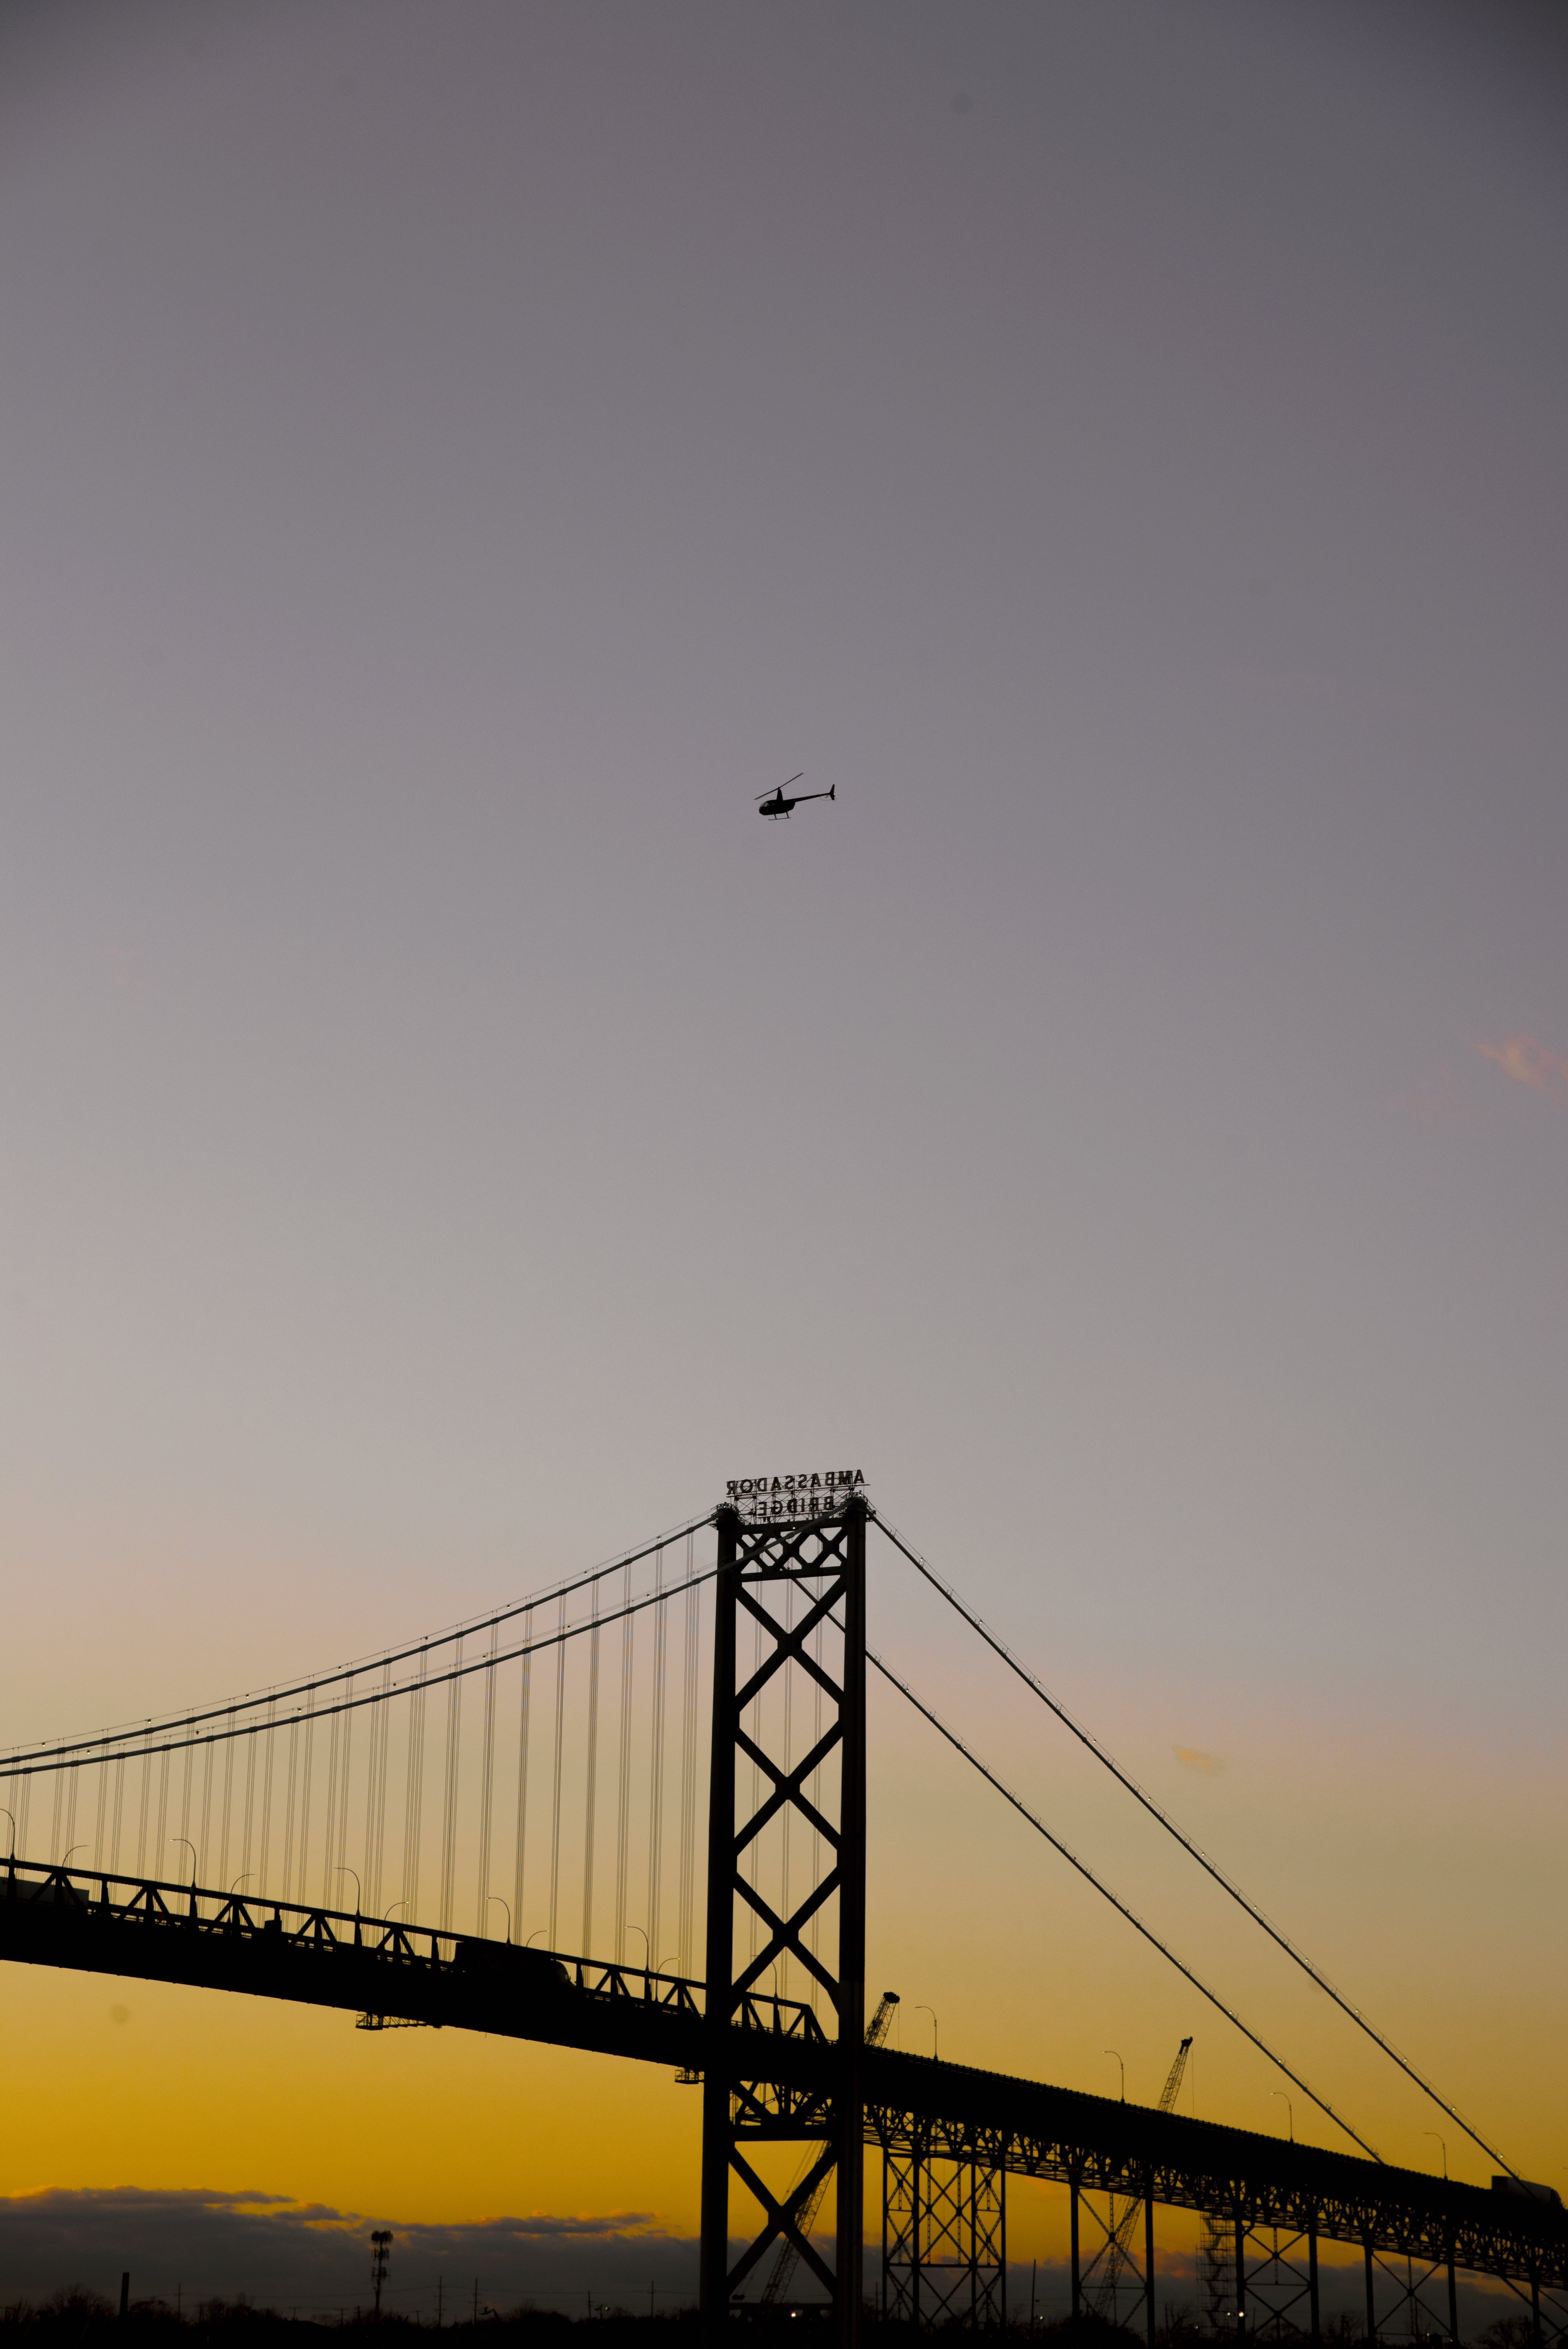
(1172,2088)
(882,2021)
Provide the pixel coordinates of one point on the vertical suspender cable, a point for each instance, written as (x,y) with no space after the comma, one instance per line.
(330,1887)
(487,1783)
(375,1730)
(290,1799)
(592,1790)
(450,1807)
(161,1846)
(57,1841)
(304,1798)
(269,1740)
(656,1790)
(100,1860)
(345,1772)
(414,1791)
(523,1775)
(188,1766)
(73,1791)
(375,1835)
(141,1807)
(555,1790)
(119,1812)
(24,1804)
(203,1844)
(688,1765)
(753,1854)
(252,1747)
(229,1745)
(624,1773)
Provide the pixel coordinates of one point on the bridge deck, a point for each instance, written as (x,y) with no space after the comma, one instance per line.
(163,1932)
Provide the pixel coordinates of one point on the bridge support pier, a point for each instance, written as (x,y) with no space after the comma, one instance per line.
(944,2230)
(1149,2258)
(1072,2245)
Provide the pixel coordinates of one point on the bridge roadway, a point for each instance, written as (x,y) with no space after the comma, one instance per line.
(390,1973)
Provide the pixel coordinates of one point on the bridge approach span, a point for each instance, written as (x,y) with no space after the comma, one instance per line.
(156,1931)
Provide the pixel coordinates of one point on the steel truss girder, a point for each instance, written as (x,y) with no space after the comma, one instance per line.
(1295,2189)
(824,1558)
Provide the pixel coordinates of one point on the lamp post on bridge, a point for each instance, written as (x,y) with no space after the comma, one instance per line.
(343,1869)
(191,1850)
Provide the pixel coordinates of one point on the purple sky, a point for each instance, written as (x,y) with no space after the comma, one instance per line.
(452,456)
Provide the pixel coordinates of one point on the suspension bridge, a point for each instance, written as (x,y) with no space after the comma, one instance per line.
(471,1831)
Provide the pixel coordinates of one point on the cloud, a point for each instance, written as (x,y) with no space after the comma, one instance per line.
(286,2254)
(1532,1064)
(1190,1758)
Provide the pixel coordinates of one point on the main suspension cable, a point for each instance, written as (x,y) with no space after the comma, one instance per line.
(37,1766)
(107,1742)
(1280,1940)
(1120,1906)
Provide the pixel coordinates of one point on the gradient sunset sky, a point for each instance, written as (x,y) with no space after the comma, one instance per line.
(454,454)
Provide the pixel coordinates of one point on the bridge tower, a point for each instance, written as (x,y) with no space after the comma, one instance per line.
(790,1634)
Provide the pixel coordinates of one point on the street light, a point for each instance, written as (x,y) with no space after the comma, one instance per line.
(1112,2051)
(506,1904)
(12,1817)
(343,1869)
(935,2041)
(1443,2142)
(239,1880)
(191,1850)
(1290,2109)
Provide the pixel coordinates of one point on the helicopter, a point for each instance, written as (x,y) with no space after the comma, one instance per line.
(774,803)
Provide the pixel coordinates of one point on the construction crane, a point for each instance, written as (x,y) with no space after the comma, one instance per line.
(1116,2256)
(784,2266)
(1172,2088)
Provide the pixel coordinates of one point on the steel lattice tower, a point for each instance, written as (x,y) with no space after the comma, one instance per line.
(800,1586)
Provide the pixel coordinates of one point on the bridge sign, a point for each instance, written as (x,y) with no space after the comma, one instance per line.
(821,1493)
